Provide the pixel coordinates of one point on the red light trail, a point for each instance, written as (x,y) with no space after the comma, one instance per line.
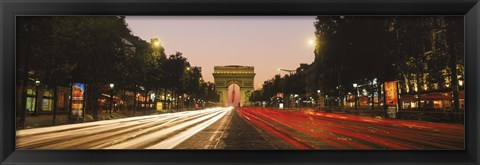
(321,130)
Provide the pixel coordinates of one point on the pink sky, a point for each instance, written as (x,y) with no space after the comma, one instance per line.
(265,42)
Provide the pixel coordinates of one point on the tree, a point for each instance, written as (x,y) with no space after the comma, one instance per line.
(454,41)
(95,47)
(192,81)
(33,37)
(94,61)
(175,68)
(349,50)
(91,62)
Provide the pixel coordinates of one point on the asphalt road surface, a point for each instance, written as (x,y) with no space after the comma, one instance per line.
(320,130)
(163,131)
(246,128)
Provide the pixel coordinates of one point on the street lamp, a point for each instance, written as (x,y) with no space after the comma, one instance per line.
(156,44)
(339,96)
(188,68)
(111,98)
(355,86)
(37,83)
(319,92)
(311,42)
(460,82)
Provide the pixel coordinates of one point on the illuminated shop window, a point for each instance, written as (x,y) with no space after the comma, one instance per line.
(31,99)
(30,104)
(47,101)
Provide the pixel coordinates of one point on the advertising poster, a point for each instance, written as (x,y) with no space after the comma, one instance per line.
(391,93)
(78,91)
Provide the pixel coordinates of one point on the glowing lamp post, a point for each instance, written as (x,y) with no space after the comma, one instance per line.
(156,44)
(37,83)
(355,86)
(111,98)
(319,92)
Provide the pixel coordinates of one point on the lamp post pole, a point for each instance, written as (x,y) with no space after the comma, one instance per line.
(356,97)
(111,99)
(37,83)
(318,98)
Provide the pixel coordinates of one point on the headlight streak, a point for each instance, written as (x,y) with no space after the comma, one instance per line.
(127,133)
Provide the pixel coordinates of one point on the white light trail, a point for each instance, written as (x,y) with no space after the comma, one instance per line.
(156,131)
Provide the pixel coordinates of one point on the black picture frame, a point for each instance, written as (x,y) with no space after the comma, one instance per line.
(11,8)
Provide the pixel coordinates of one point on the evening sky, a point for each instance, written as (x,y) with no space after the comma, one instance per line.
(265,42)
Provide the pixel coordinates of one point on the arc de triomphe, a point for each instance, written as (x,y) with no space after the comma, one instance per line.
(224,76)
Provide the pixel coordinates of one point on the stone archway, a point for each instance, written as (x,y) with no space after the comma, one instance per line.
(243,76)
(233,95)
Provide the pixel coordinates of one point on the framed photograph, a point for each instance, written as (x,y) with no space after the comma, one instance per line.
(235,82)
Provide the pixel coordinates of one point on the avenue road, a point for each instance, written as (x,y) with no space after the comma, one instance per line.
(246,128)
(164,131)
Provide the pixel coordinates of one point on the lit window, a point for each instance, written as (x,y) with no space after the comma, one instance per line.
(47,104)
(30,92)
(31,100)
(47,94)
(47,101)
(30,104)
